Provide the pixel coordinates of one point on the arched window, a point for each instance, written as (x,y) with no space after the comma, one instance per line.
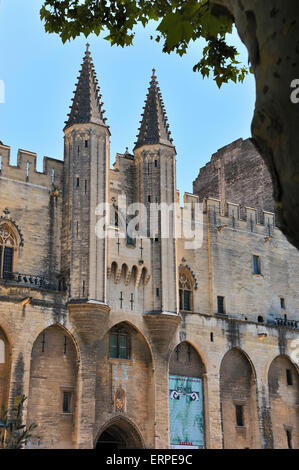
(8,246)
(119,343)
(186,284)
(113,271)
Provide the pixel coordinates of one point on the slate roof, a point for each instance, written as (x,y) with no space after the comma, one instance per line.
(87,106)
(154,127)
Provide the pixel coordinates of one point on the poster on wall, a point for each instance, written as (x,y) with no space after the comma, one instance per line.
(186,412)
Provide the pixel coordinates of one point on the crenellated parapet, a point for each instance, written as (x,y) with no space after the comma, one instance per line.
(26,168)
(228,214)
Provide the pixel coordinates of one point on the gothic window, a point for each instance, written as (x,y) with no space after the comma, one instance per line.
(186,284)
(8,246)
(119,343)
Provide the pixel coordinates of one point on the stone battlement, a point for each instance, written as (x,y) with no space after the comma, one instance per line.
(231,210)
(25,170)
(239,212)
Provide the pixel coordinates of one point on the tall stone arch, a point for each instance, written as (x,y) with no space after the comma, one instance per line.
(283,381)
(238,401)
(52,402)
(186,398)
(125,379)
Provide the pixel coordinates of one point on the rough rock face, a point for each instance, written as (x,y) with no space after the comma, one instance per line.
(269,30)
(237,173)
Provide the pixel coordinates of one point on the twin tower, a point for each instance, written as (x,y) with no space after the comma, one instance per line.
(87,177)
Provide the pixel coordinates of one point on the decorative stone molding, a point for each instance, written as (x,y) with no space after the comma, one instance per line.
(162,327)
(10,221)
(88,318)
(185,266)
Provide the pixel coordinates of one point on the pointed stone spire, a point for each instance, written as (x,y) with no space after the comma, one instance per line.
(87,106)
(154,127)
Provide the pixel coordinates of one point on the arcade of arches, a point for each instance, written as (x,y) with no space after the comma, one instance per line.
(124,388)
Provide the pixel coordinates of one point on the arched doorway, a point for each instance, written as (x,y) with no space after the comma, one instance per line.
(283,383)
(125,374)
(238,402)
(119,434)
(186,398)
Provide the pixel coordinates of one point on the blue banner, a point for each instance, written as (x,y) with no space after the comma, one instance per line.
(186,412)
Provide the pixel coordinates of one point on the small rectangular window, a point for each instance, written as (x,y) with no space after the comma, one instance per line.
(256,264)
(289,377)
(212,337)
(289,438)
(220,304)
(78,182)
(119,347)
(66,404)
(282,303)
(157,292)
(86,143)
(148,199)
(239,415)
(156,163)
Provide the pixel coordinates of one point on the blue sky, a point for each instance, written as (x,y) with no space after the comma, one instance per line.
(40,72)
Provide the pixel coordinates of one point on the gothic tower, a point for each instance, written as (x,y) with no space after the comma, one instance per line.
(86,168)
(156,183)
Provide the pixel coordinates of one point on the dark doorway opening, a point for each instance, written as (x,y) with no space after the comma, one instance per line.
(110,441)
(119,435)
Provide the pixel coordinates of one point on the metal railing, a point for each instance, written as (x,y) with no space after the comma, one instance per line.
(285,322)
(29,280)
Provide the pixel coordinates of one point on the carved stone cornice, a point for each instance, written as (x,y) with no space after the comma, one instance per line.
(89,318)
(162,327)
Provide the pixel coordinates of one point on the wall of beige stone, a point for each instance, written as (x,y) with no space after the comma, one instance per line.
(155,336)
(284,402)
(145,377)
(223,266)
(237,173)
(238,388)
(35,210)
(53,371)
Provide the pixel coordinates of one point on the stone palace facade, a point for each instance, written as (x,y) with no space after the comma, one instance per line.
(143,340)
